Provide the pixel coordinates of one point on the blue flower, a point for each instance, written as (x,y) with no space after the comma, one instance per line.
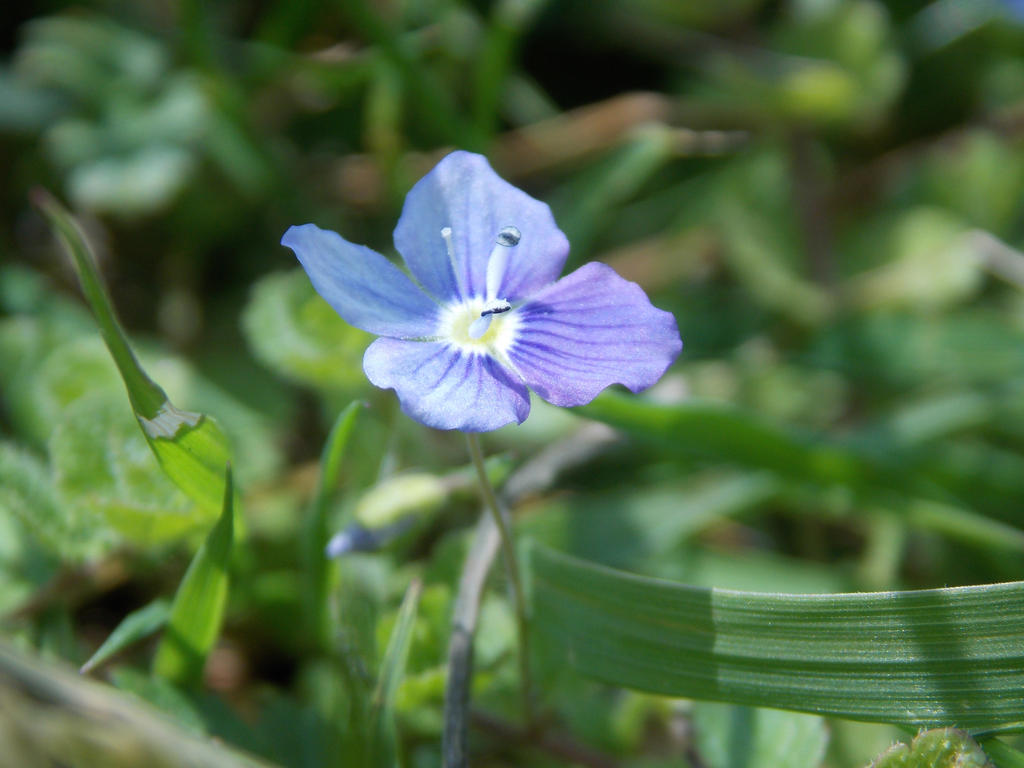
(488,319)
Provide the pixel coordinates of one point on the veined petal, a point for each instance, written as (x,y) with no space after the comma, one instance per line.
(446,388)
(366,289)
(464,194)
(589,330)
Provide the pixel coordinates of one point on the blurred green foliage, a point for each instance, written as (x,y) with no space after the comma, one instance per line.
(828,194)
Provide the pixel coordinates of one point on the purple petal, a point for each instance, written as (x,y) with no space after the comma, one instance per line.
(445,388)
(589,330)
(366,289)
(463,193)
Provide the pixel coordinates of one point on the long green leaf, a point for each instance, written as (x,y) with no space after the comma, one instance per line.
(868,464)
(133,627)
(198,608)
(318,567)
(190,447)
(391,672)
(726,433)
(920,658)
(1004,755)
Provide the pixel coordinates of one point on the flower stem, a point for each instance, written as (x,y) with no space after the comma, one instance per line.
(512,567)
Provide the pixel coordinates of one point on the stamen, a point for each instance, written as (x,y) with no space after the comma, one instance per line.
(496,308)
(497,263)
(446,235)
(479,326)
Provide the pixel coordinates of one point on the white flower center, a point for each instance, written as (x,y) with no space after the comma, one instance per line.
(464,325)
(483,325)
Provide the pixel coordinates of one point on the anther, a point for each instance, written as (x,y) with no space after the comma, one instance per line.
(479,326)
(497,263)
(503,306)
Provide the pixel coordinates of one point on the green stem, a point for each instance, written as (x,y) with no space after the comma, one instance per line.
(511,566)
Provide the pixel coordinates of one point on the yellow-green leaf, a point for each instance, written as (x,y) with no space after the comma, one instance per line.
(198,608)
(191,447)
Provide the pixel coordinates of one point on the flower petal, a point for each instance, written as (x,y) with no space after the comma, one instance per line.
(589,330)
(366,289)
(463,192)
(446,388)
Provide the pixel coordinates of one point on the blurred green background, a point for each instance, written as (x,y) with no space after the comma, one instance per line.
(826,193)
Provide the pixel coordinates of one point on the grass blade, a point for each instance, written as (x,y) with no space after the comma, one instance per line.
(190,447)
(391,672)
(134,627)
(726,433)
(198,608)
(867,464)
(921,658)
(316,535)
(1003,754)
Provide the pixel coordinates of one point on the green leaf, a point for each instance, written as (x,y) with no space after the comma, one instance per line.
(56,372)
(24,107)
(939,748)
(134,627)
(931,263)
(873,464)
(981,179)
(27,493)
(198,608)
(399,497)
(753,569)
(24,492)
(107,476)
(742,737)
(1004,755)
(964,525)
(625,529)
(392,670)
(190,447)
(903,350)
(723,432)
(920,658)
(294,332)
(319,570)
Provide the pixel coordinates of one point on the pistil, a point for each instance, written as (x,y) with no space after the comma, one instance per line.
(508,238)
(497,264)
